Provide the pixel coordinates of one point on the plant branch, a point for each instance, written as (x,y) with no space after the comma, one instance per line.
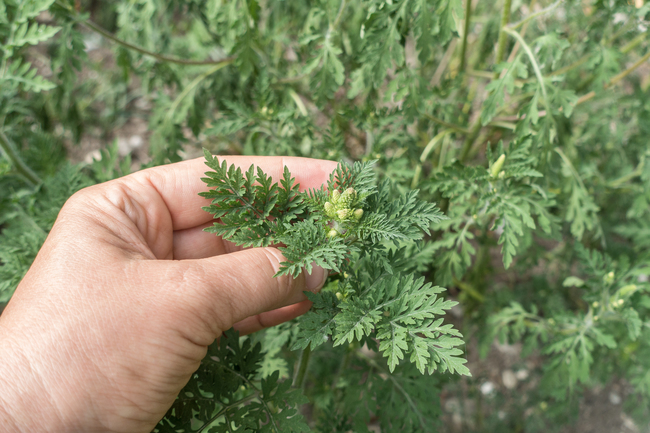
(615,80)
(172,109)
(337,20)
(463,47)
(160,57)
(628,71)
(226,408)
(535,15)
(501,42)
(471,138)
(439,121)
(11,152)
(533,61)
(301,370)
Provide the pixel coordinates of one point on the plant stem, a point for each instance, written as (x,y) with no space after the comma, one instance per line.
(463,48)
(628,71)
(469,141)
(337,20)
(225,409)
(633,43)
(12,154)
(439,121)
(301,369)
(160,57)
(533,61)
(501,42)
(614,80)
(187,90)
(535,15)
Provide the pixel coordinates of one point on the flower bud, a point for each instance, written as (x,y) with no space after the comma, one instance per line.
(358,214)
(336,195)
(332,233)
(496,167)
(329,209)
(343,214)
(347,197)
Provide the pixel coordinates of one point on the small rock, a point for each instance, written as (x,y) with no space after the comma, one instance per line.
(521,374)
(614,398)
(509,379)
(487,388)
(135,141)
(95,155)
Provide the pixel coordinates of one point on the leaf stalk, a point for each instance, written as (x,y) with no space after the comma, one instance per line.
(21,167)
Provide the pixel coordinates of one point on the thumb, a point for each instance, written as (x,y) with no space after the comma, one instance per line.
(225,289)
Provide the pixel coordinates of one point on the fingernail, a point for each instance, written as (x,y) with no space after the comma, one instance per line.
(315,279)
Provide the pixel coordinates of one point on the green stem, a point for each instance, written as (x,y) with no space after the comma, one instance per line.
(12,154)
(159,57)
(534,15)
(425,155)
(186,91)
(614,80)
(225,409)
(463,47)
(633,43)
(439,121)
(385,374)
(533,61)
(628,71)
(301,369)
(471,138)
(337,20)
(501,42)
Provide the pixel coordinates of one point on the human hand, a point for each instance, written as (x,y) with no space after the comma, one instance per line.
(126,294)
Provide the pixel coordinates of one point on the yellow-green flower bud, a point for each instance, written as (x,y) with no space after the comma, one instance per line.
(498,164)
(332,233)
(339,295)
(347,197)
(343,214)
(336,195)
(329,209)
(358,214)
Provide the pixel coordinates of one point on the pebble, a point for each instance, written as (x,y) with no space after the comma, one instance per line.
(487,388)
(614,398)
(509,379)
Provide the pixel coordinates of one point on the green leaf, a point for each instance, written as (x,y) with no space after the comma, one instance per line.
(32,34)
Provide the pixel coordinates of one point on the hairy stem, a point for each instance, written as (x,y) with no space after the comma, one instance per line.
(11,152)
(301,369)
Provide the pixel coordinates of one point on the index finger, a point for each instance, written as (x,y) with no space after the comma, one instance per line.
(179,184)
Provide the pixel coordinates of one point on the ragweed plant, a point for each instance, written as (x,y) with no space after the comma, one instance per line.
(527,122)
(366,234)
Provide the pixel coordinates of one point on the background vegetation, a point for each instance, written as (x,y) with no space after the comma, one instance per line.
(526,121)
